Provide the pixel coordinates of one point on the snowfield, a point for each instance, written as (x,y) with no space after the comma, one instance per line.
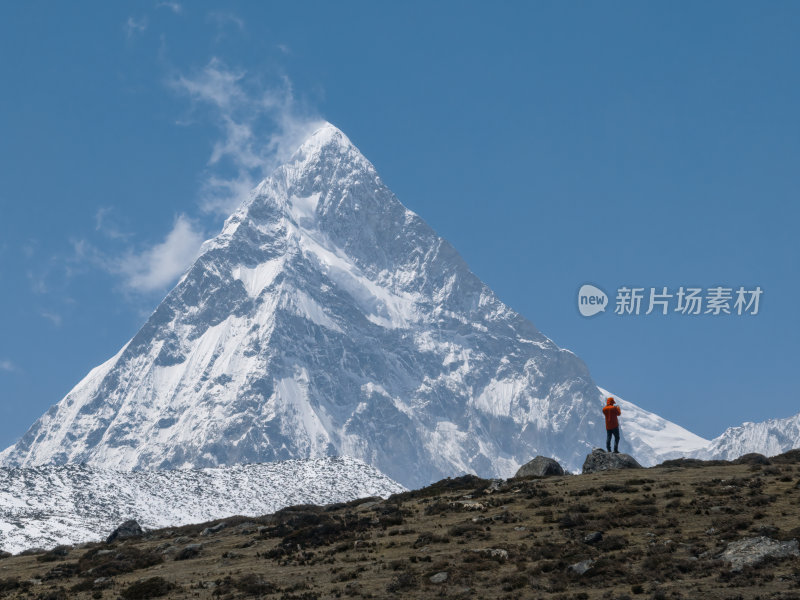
(46,506)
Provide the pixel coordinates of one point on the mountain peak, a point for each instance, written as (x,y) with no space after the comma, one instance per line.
(326,142)
(327,319)
(325,135)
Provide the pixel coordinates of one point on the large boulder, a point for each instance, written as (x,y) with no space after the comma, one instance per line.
(600,460)
(751,551)
(541,466)
(127,530)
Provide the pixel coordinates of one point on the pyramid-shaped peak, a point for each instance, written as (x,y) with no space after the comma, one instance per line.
(328,319)
(325,146)
(324,136)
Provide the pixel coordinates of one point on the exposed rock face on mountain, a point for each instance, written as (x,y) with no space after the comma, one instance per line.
(46,506)
(541,466)
(327,319)
(600,460)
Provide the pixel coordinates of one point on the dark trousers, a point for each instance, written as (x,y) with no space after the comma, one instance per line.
(615,433)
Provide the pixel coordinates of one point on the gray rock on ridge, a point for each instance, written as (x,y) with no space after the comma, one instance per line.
(128,529)
(541,466)
(582,567)
(751,551)
(595,537)
(600,460)
(440,577)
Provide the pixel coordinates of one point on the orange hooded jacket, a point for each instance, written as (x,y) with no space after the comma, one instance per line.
(610,412)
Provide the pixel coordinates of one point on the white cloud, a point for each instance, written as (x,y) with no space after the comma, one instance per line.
(38,281)
(8,366)
(54,318)
(152,268)
(175,7)
(29,247)
(224,19)
(105,224)
(260,127)
(157,266)
(135,26)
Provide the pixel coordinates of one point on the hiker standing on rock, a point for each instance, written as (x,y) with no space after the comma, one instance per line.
(611,411)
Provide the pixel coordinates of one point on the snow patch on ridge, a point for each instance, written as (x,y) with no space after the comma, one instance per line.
(255,279)
(497,397)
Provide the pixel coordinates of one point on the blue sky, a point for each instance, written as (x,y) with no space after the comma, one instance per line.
(554,144)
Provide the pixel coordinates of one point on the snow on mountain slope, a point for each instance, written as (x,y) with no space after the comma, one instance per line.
(771,437)
(328,319)
(46,506)
(650,438)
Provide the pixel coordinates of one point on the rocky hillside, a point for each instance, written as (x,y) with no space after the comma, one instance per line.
(684,529)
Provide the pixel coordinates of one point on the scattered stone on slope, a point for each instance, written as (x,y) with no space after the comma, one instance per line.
(594,537)
(440,577)
(581,567)
(496,553)
(189,551)
(751,551)
(600,460)
(215,529)
(541,466)
(128,529)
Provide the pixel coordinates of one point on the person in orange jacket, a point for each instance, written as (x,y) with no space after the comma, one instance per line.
(611,412)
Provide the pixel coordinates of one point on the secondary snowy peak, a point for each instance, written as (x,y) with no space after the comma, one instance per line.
(328,319)
(42,507)
(771,437)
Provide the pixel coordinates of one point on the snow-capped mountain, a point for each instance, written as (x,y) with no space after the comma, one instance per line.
(328,319)
(68,504)
(771,437)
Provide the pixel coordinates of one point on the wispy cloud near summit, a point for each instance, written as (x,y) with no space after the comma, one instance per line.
(159,265)
(260,125)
